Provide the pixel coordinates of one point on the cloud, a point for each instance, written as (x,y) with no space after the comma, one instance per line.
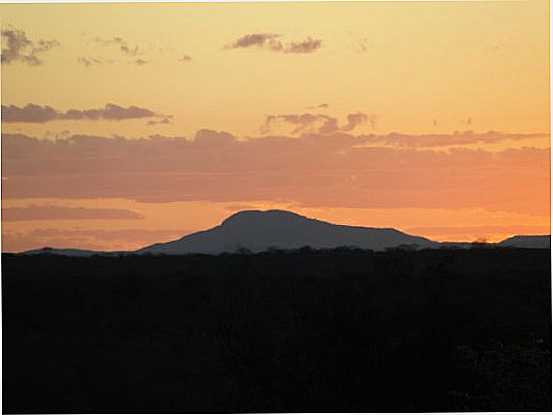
(255,39)
(363,45)
(92,61)
(354,120)
(57,134)
(445,140)
(308,45)
(32,113)
(372,120)
(89,61)
(300,122)
(206,138)
(185,58)
(29,113)
(17,47)
(52,212)
(320,106)
(308,122)
(312,170)
(270,41)
(126,50)
(121,43)
(124,47)
(164,121)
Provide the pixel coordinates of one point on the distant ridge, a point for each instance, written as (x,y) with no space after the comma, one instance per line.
(72,252)
(257,231)
(527,241)
(61,251)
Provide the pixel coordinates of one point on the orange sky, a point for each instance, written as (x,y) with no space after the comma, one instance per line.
(431,117)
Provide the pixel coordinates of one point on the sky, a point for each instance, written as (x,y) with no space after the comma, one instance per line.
(129,124)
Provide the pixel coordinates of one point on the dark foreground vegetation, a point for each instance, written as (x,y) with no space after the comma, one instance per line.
(344,330)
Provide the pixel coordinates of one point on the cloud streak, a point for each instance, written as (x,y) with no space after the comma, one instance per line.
(308,45)
(53,213)
(122,44)
(254,39)
(457,138)
(162,121)
(92,61)
(17,47)
(319,107)
(32,113)
(318,123)
(133,54)
(272,42)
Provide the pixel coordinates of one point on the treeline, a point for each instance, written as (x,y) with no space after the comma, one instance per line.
(341,330)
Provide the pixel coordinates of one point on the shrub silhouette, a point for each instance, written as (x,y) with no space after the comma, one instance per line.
(340,330)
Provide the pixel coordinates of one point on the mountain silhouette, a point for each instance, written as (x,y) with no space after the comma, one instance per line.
(61,251)
(74,252)
(527,241)
(258,231)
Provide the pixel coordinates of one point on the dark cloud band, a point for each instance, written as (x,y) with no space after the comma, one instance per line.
(32,113)
(331,170)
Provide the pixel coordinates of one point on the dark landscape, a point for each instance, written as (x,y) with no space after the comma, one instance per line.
(304,330)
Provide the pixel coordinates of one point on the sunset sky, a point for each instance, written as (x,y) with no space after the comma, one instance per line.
(129,124)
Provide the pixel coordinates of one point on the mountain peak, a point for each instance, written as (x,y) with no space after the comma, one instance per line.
(252,217)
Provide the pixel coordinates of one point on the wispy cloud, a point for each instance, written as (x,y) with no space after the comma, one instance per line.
(161,121)
(53,212)
(17,47)
(457,138)
(308,122)
(92,61)
(32,113)
(272,42)
(308,45)
(254,39)
(362,45)
(121,44)
(132,54)
(319,107)
(299,122)
(354,120)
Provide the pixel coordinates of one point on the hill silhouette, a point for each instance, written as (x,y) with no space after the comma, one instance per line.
(528,241)
(257,231)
